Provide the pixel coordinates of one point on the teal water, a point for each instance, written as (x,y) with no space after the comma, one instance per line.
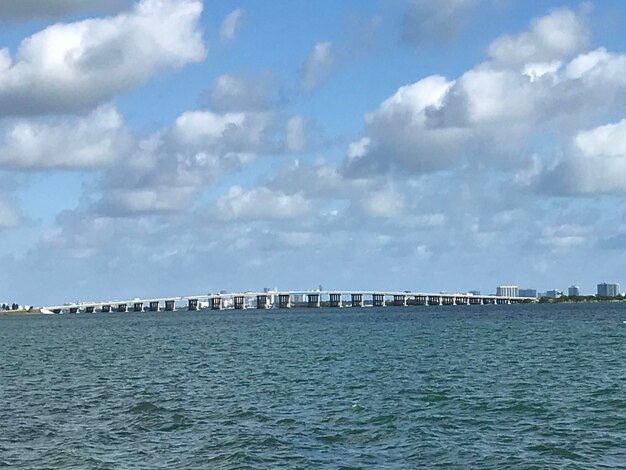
(418,387)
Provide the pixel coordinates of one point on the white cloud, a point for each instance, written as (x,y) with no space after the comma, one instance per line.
(296,140)
(73,66)
(169,167)
(231,24)
(261,203)
(564,236)
(596,163)
(152,200)
(73,142)
(321,180)
(358,149)
(384,203)
(604,141)
(485,95)
(556,36)
(234,93)
(317,66)
(194,127)
(532,85)
(584,63)
(398,136)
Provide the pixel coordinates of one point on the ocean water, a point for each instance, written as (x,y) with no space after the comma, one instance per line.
(521,386)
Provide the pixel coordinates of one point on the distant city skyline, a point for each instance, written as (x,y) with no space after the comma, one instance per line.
(154,147)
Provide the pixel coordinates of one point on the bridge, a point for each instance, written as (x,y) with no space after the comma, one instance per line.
(286,299)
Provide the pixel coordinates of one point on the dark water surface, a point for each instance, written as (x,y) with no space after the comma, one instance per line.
(417,387)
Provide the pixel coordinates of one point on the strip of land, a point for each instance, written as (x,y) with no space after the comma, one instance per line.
(32,311)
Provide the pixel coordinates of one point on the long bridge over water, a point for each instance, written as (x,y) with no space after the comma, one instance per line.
(287,299)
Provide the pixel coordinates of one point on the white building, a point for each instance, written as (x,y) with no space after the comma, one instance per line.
(507,291)
(608,290)
(573,291)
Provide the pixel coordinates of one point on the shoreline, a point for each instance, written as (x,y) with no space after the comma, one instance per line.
(34,311)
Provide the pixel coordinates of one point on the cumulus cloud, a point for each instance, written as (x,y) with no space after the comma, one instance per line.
(296,139)
(231,24)
(383,203)
(73,142)
(67,67)
(166,169)
(596,163)
(556,36)
(397,134)
(427,22)
(261,203)
(320,180)
(28,9)
(538,82)
(317,66)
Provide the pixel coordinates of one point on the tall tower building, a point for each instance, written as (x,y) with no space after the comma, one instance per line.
(573,291)
(507,291)
(608,290)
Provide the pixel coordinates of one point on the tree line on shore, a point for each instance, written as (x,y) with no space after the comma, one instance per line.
(581,298)
(7,307)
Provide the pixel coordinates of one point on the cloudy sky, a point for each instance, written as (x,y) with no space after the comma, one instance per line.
(175,147)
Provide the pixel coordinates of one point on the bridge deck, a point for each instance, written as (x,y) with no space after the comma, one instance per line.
(327,293)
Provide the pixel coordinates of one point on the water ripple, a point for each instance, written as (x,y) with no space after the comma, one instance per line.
(485,387)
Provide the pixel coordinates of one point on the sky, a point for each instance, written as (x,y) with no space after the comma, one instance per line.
(180,147)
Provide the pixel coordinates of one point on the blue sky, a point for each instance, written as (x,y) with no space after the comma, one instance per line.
(170,147)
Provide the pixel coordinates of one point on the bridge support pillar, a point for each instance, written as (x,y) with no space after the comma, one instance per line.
(335,300)
(90,309)
(262,301)
(122,308)
(239,302)
(434,300)
(215,303)
(138,307)
(284,301)
(105,308)
(313,300)
(399,300)
(378,300)
(357,300)
(170,305)
(421,300)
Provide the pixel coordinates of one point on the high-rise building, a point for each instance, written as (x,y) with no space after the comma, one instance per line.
(608,290)
(553,294)
(528,293)
(573,291)
(507,291)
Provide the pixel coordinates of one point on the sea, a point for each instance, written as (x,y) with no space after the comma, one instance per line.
(494,386)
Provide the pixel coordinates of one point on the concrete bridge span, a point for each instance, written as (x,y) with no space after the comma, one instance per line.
(288,299)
